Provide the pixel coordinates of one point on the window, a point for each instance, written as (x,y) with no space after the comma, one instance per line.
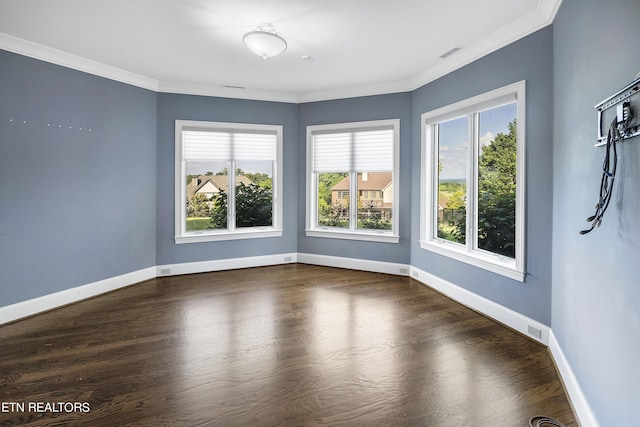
(351,180)
(227,181)
(472,206)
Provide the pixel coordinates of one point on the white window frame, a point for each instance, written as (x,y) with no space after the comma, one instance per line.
(312,230)
(509,267)
(231,233)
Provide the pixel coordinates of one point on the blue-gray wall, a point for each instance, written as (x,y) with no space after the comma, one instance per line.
(529,59)
(596,284)
(393,106)
(173,107)
(76,206)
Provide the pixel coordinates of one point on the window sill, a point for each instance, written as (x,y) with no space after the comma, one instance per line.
(199,237)
(494,263)
(372,236)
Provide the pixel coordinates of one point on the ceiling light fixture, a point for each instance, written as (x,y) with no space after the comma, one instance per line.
(264,41)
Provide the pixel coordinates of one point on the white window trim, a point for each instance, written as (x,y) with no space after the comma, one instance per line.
(311,230)
(514,269)
(181,235)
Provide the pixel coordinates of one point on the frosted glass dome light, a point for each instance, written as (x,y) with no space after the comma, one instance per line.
(264,41)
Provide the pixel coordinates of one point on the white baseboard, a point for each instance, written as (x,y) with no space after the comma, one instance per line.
(355,264)
(224,264)
(20,310)
(578,400)
(48,302)
(520,323)
(487,307)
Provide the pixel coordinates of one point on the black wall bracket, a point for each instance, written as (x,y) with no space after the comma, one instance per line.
(627,101)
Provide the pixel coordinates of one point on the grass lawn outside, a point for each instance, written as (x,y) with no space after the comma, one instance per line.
(198,223)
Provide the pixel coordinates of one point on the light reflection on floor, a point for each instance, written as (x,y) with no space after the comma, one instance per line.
(266,347)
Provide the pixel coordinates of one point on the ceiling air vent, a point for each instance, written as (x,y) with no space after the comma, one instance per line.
(450,52)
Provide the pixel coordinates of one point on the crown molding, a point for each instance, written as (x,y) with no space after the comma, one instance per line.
(65,59)
(355,91)
(548,9)
(227,92)
(536,20)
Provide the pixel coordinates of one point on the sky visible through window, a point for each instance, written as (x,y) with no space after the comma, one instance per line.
(202,167)
(454,139)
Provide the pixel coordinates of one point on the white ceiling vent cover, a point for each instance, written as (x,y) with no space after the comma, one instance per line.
(450,52)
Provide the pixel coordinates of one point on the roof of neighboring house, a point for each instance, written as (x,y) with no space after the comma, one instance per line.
(219,181)
(375,181)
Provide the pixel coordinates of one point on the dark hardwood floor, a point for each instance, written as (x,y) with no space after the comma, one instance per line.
(290,345)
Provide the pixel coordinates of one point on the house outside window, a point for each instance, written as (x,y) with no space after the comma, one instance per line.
(339,195)
(227,182)
(358,159)
(473,181)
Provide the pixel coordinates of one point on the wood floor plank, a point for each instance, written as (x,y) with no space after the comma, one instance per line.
(290,345)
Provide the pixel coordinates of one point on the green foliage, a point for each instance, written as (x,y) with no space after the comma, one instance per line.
(497,194)
(335,215)
(372,218)
(328,214)
(450,187)
(260,179)
(451,232)
(451,226)
(219,211)
(376,222)
(253,207)
(198,206)
(458,200)
(496,225)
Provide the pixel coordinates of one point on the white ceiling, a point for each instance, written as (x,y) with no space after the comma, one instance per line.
(356,47)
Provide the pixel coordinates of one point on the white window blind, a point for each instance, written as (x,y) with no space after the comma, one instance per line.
(358,151)
(214,145)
